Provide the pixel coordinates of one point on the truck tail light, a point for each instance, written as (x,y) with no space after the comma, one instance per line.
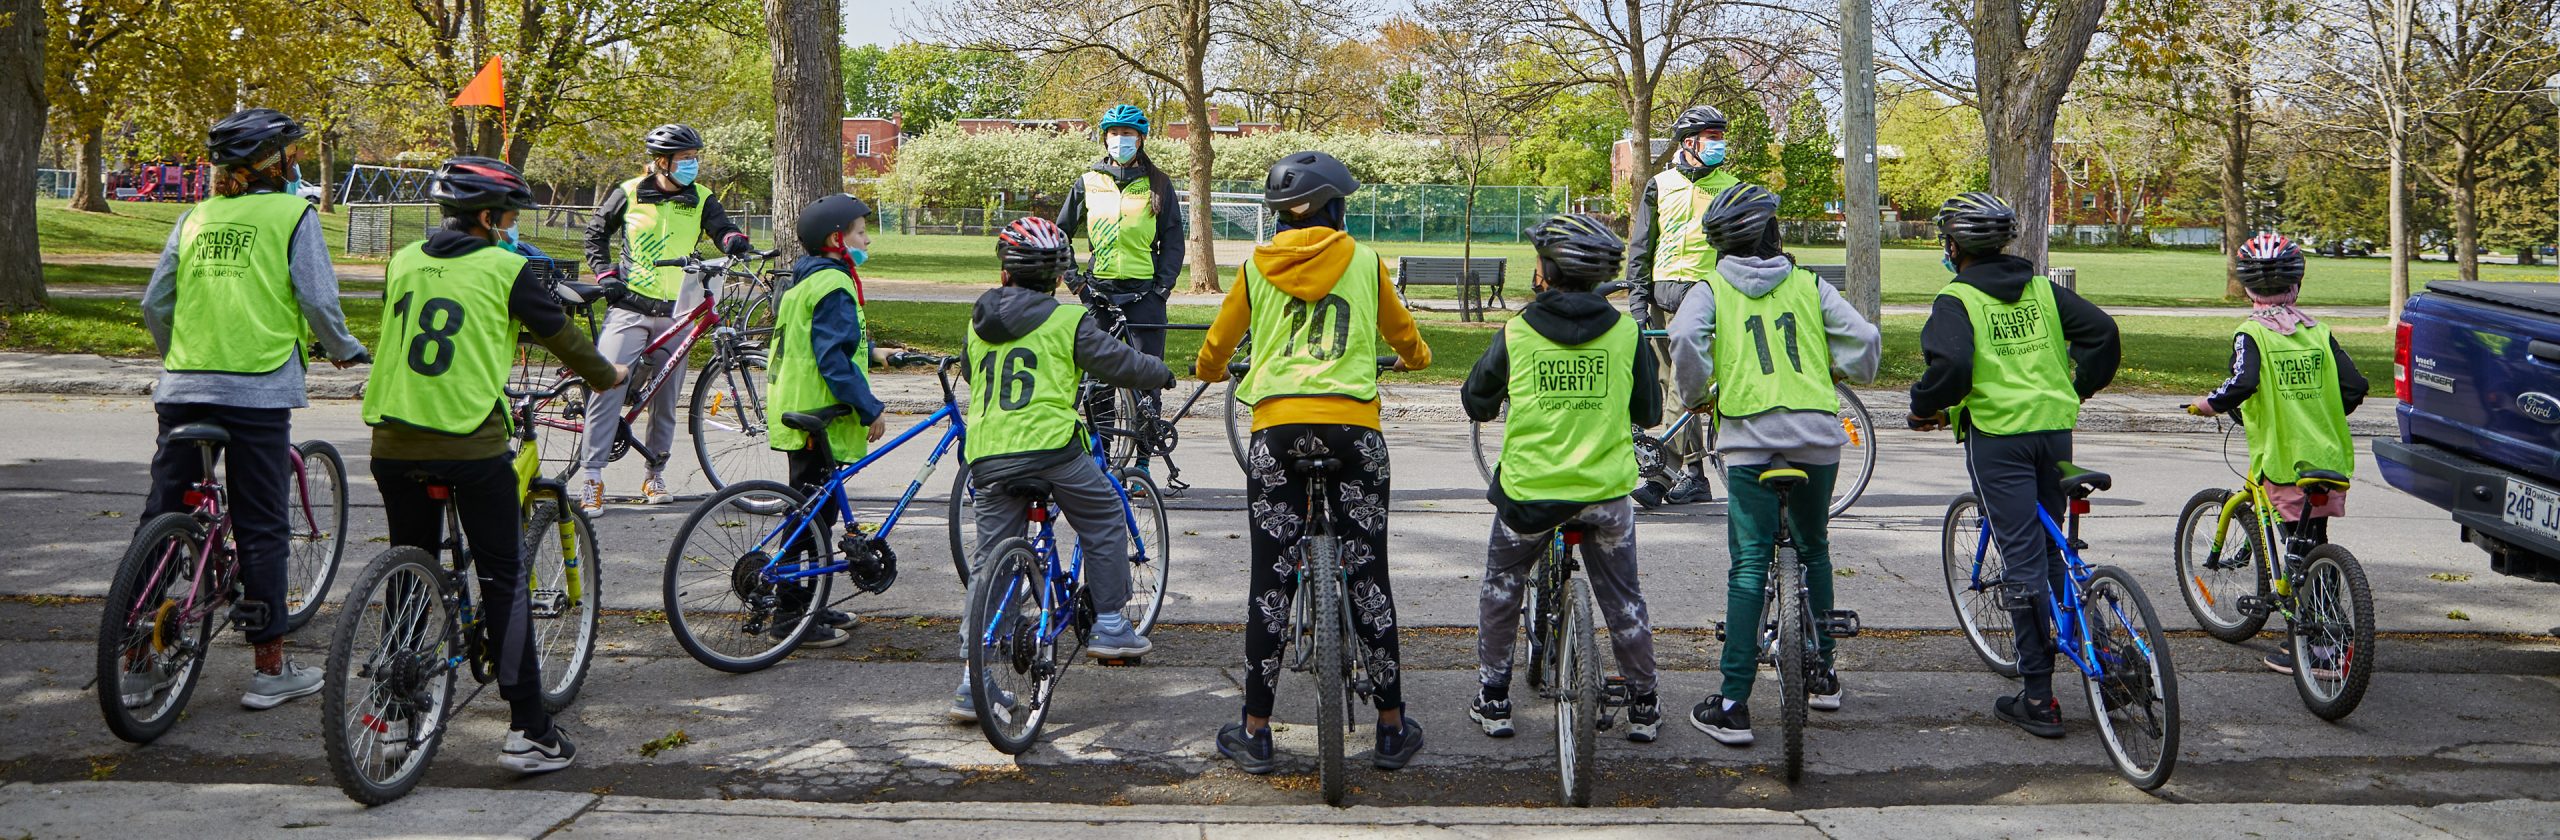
(2400,362)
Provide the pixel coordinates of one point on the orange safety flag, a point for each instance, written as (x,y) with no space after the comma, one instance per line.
(489,88)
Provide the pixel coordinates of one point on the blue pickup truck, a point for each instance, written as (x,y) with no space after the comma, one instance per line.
(2477,369)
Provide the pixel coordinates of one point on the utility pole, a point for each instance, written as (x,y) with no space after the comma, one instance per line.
(1859,209)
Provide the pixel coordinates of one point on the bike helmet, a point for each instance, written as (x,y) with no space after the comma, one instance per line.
(1695,119)
(1578,249)
(826,217)
(1977,223)
(2268,264)
(250,138)
(1034,249)
(1304,182)
(1124,116)
(672,138)
(472,184)
(1742,220)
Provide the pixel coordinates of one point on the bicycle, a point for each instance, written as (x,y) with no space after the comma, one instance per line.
(182,567)
(387,694)
(1023,606)
(1154,431)
(1791,634)
(2132,688)
(751,568)
(2317,586)
(1564,662)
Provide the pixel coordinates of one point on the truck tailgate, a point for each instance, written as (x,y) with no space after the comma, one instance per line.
(2484,373)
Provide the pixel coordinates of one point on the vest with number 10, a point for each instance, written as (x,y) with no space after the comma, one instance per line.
(1327,347)
(2021,367)
(1771,352)
(236,311)
(663,231)
(1121,225)
(1022,393)
(447,340)
(1568,437)
(2296,416)
(797,385)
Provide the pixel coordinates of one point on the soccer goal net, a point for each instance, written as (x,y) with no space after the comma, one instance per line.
(1239,216)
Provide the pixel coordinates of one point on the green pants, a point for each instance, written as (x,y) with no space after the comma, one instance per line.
(1751,532)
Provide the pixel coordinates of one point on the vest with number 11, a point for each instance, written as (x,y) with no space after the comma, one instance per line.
(662,231)
(2296,417)
(447,340)
(1327,347)
(1771,352)
(1022,393)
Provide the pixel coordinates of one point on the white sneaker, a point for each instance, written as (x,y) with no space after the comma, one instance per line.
(267,691)
(591,497)
(653,491)
(963,710)
(525,755)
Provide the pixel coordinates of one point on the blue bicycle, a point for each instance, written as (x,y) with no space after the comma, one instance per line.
(751,569)
(2102,622)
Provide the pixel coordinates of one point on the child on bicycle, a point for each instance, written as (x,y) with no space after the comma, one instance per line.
(1318,303)
(1581,388)
(439,414)
(1774,403)
(2010,357)
(2292,387)
(821,353)
(241,289)
(1031,353)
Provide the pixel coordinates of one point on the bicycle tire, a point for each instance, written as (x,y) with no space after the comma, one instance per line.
(1127,440)
(1578,701)
(2203,511)
(729,565)
(1486,445)
(560,425)
(1860,453)
(1538,600)
(402,593)
(318,522)
(962,524)
(572,557)
(1151,556)
(2333,698)
(2145,697)
(1239,422)
(1013,573)
(1986,626)
(731,437)
(1791,662)
(1332,664)
(161,555)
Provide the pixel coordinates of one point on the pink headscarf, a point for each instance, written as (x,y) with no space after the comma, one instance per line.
(2277,312)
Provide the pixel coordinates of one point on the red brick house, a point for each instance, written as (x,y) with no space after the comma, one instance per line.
(870,144)
(983,125)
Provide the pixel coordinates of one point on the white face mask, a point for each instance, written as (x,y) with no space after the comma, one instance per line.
(1124,148)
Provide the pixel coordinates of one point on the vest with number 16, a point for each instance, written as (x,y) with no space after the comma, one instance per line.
(447,340)
(1327,347)
(1771,352)
(1022,393)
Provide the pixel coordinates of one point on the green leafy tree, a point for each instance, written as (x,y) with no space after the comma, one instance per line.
(1929,148)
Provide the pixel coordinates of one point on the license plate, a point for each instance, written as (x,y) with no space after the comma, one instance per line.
(2532,507)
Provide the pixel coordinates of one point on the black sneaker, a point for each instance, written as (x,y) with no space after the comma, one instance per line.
(1396,749)
(1649,494)
(838,619)
(1730,727)
(1692,490)
(1644,720)
(823,636)
(1493,715)
(2043,720)
(1251,751)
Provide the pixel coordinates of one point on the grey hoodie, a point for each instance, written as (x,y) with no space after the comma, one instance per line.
(1006,313)
(1803,437)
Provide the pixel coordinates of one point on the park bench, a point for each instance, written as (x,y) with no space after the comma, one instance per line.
(1481,291)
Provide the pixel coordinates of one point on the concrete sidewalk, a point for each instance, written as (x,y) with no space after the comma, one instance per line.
(125,810)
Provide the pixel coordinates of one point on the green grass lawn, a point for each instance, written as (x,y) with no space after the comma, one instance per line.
(129,227)
(57,275)
(113,327)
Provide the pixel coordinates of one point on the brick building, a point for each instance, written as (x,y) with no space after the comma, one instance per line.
(870,145)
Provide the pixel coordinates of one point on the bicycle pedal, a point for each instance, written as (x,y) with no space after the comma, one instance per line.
(1720,631)
(548,603)
(1840,624)
(2014,597)
(249,616)
(1121,661)
(2254,606)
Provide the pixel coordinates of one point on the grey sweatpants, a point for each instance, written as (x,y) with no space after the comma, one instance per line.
(1609,562)
(1092,506)
(2013,475)
(625,333)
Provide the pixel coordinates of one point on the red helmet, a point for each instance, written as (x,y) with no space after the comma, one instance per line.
(2268,263)
(1035,249)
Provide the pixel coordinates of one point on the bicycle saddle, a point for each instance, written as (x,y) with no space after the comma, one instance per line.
(1782,478)
(2310,479)
(1030,489)
(1314,464)
(2080,482)
(211,433)
(814,421)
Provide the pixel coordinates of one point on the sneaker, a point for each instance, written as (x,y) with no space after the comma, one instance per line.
(267,691)
(591,498)
(653,490)
(965,710)
(1251,751)
(1730,727)
(1650,494)
(1824,694)
(1691,490)
(143,695)
(2280,661)
(1115,638)
(1396,749)
(1644,720)
(528,756)
(838,619)
(2043,720)
(1493,715)
(2324,661)
(819,636)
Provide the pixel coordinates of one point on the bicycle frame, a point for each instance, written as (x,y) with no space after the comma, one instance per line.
(798,524)
(2272,537)
(2063,608)
(1062,584)
(703,319)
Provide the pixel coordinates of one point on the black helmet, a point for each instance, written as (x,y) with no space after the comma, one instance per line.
(248,138)
(2269,264)
(828,216)
(1978,223)
(1304,182)
(1741,220)
(471,184)
(672,138)
(1696,119)
(1034,251)
(1581,249)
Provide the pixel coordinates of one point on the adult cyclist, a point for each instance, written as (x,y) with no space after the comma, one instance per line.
(656,216)
(1321,302)
(1668,255)
(1132,221)
(242,286)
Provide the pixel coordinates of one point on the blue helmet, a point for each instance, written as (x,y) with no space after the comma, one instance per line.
(1125,115)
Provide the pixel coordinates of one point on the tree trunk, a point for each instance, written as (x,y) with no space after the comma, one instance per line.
(2022,169)
(808,100)
(1195,106)
(2396,112)
(89,190)
(2466,218)
(320,148)
(22,115)
(2235,182)
(1467,249)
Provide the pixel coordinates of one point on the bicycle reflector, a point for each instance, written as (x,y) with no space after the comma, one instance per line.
(2080,507)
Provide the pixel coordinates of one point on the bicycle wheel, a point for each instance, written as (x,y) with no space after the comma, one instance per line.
(1124,438)
(1239,420)
(1974,587)
(565,582)
(723,609)
(728,423)
(1858,458)
(388,687)
(1792,656)
(2332,633)
(1332,665)
(149,650)
(316,510)
(2135,692)
(1007,658)
(2217,563)
(1484,440)
(560,424)
(1577,699)
(962,524)
(1150,551)
(1540,601)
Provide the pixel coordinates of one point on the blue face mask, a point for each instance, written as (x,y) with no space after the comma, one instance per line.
(686,171)
(1711,153)
(1124,148)
(513,242)
(857,256)
(1949,261)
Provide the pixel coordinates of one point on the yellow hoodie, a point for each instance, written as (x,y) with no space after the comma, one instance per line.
(1306,263)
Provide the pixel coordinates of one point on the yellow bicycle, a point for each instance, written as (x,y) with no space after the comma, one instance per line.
(2239,563)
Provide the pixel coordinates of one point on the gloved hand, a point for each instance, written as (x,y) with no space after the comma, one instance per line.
(614,287)
(1640,302)
(737,246)
(1170,380)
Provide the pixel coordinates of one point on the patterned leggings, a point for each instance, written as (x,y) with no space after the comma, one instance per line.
(1279,509)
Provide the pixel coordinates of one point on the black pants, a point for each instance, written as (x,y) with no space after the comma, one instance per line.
(1279,505)
(259,466)
(484,495)
(810,469)
(2014,475)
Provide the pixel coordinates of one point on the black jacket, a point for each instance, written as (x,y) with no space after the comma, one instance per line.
(1170,245)
(1006,313)
(606,227)
(1946,341)
(1565,318)
(2245,362)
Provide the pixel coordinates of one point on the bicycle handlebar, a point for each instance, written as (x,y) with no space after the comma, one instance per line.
(556,389)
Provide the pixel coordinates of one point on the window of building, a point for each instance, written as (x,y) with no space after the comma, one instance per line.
(862,145)
(2088,201)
